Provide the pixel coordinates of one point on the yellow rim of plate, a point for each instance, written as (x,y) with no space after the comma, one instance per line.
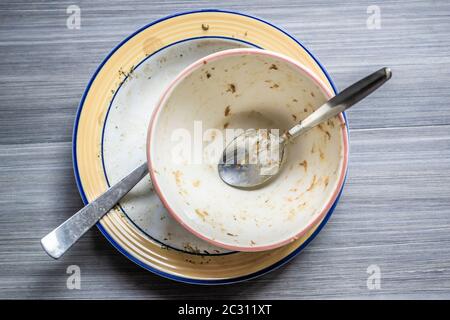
(88,134)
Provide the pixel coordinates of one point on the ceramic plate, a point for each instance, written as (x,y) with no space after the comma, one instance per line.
(110,136)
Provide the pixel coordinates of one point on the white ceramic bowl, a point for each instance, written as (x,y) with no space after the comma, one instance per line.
(244,88)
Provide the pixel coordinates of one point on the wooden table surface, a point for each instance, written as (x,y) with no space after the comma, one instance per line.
(395,210)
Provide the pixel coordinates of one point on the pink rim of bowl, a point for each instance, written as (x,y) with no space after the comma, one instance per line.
(216,56)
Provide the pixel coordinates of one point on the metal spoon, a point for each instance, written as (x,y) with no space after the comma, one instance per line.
(237,170)
(57,242)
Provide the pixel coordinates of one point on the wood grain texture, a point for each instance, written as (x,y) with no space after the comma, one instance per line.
(395,210)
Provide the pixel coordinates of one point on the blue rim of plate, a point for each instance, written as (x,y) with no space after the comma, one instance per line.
(123,251)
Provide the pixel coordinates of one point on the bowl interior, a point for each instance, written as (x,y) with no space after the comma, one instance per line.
(241,89)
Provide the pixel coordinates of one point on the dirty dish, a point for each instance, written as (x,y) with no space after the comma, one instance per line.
(109,142)
(217,97)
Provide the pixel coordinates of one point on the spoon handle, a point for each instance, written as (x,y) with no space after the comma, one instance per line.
(342,101)
(57,242)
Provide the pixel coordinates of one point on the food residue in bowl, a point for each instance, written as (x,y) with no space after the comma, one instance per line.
(177,174)
(231,88)
(227,111)
(304,164)
(201,213)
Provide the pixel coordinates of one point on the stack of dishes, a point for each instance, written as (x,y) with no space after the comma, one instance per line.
(110,140)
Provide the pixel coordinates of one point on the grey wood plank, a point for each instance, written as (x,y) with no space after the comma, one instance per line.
(395,209)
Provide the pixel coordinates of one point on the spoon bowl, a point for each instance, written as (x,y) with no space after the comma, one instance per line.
(245,167)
